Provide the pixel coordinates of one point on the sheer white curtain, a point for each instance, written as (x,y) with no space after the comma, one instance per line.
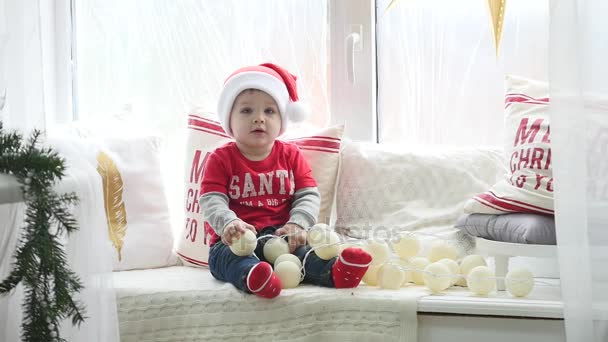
(579,137)
(35,85)
(89,251)
(21,74)
(439,78)
(34,93)
(159,59)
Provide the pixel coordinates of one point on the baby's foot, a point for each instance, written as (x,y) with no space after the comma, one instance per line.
(262,281)
(350,267)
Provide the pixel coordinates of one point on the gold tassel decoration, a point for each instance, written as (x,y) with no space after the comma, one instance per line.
(116,214)
(392,4)
(497,12)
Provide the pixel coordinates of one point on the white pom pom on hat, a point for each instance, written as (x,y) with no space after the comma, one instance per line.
(297,111)
(270,78)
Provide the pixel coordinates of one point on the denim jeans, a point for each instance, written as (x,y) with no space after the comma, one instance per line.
(227,266)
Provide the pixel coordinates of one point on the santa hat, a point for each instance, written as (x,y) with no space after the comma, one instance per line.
(270,78)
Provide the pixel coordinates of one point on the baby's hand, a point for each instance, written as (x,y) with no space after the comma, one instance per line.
(296,238)
(234,230)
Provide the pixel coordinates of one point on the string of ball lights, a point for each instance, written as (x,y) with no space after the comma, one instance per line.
(396,262)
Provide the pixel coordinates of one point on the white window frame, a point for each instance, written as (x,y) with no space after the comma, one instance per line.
(57,39)
(352,75)
(352,86)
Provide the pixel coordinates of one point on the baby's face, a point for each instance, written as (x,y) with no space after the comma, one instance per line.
(255,120)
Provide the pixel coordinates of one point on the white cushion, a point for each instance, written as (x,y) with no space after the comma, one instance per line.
(384,189)
(321,150)
(527,186)
(148,240)
(134,203)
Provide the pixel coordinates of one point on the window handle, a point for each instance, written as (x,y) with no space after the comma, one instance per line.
(352,42)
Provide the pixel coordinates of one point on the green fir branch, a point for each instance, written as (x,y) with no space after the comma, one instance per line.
(39,262)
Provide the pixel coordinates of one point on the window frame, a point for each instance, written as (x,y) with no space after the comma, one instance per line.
(353,103)
(57,37)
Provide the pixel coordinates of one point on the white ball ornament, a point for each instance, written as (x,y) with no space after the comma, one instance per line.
(288,258)
(405,267)
(467,264)
(325,242)
(418,263)
(442,250)
(289,273)
(390,276)
(519,282)
(274,248)
(371,275)
(481,280)
(245,245)
(453,267)
(437,277)
(321,226)
(406,246)
(407,279)
(378,250)
(346,245)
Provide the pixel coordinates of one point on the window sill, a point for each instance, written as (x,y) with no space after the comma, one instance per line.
(544,302)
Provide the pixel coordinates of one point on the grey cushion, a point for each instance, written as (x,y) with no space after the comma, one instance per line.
(516,227)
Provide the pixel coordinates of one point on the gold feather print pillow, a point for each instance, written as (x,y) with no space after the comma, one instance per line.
(135,204)
(130,205)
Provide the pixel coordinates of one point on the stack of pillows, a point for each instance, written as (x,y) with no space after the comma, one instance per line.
(519,208)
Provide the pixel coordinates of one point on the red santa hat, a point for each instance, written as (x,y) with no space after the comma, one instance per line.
(270,78)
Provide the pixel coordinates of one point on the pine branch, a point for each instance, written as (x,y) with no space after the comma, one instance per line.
(61,213)
(24,260)
(10,282)
(40,263)
(33,141)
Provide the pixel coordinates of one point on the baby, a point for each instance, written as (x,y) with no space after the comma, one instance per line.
(265,185)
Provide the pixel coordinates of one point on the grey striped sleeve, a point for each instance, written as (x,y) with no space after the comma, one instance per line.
(305,208)
(216,211)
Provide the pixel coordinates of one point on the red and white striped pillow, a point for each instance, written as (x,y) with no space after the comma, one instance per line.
(321,150)
(528,184)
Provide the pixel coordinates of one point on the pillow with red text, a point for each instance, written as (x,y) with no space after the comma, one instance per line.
(320,149)
(528,184)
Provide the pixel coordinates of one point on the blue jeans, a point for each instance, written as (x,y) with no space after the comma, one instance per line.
(226,266)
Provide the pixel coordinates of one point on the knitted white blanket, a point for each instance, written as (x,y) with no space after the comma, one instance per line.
(188,304)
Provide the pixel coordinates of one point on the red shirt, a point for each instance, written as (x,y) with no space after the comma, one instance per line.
(259,192)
